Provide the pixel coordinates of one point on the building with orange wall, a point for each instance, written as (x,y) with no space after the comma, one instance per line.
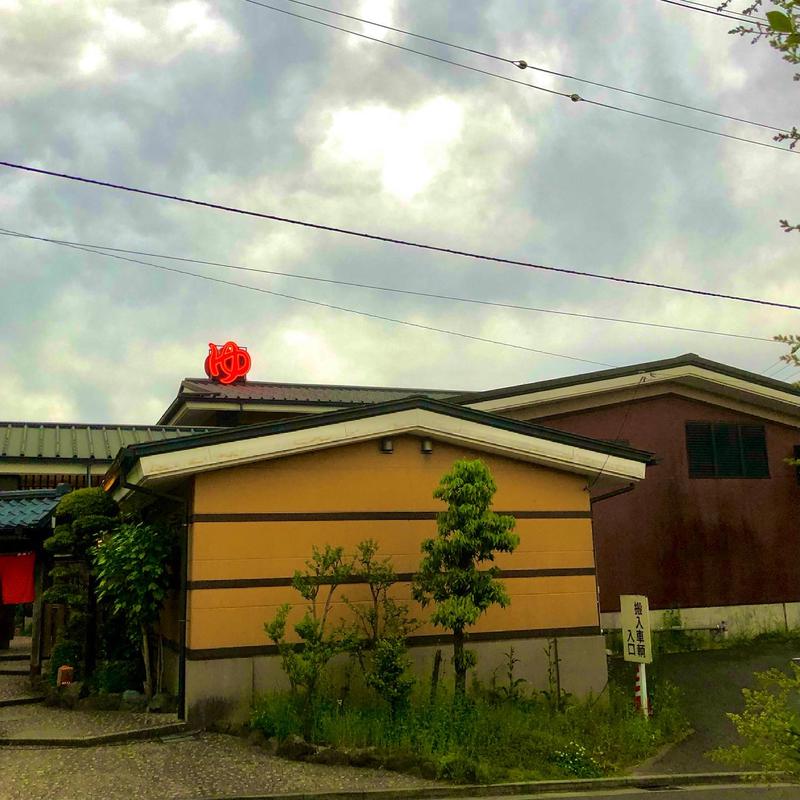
(258,497)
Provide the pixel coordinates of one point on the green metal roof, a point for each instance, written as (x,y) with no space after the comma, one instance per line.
(28,508)
(59,440)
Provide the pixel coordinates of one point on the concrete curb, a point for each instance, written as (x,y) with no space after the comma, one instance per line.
(117,737)
(21,701)
(511,789)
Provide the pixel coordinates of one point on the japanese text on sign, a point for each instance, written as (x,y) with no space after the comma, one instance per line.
(635,620)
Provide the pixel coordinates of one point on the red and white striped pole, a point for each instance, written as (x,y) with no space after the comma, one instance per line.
(640,699)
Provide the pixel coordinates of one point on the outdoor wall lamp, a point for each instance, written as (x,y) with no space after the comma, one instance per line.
(387,446)
(426,446)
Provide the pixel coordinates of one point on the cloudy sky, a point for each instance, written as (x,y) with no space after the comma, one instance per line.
(235,104)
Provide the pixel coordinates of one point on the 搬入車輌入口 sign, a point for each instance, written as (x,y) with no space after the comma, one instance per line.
(637,644)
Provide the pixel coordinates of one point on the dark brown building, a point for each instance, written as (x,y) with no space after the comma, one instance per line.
(714,529)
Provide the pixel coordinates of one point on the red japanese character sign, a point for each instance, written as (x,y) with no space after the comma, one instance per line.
(227,363)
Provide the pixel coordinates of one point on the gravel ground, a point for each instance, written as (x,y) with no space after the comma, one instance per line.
(206,765)
(39,720)
(15,686)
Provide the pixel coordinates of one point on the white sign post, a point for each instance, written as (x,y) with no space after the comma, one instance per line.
(637,644)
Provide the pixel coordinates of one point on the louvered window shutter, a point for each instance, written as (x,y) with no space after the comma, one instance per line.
(700,449)
(726,450)
(754,451)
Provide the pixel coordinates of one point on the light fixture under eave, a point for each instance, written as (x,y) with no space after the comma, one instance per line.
(387,446)
(426,446)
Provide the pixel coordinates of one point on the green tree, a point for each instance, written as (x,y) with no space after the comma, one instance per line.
(82,517)
(320,641)
(452,574)
(133,568)
(782,31)
(380,629)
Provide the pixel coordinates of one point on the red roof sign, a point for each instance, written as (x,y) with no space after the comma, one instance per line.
(227,363)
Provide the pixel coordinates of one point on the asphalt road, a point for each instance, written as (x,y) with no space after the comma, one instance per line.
(734,792)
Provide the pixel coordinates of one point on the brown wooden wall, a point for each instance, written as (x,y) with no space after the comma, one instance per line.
(693,542)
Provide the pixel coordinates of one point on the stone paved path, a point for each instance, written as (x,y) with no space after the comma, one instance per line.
(56,723)
(201,766)
(16,686)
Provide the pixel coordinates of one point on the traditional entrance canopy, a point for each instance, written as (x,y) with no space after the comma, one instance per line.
(24,515)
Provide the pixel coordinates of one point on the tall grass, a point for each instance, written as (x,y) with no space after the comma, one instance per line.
(486,738)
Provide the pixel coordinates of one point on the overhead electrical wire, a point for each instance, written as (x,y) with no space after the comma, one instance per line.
(523,64)
(716,12)
(395,241)
(574,97)
(713,7)
(393,290)
(623,423)
(319,303)
(770,367)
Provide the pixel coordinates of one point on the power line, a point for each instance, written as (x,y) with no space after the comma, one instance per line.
(522,64)
(390,240)
(745,17)
(393,290)
(408,49)
(574,97)
(622,425)
(319,303)
(706,10)
(778,371)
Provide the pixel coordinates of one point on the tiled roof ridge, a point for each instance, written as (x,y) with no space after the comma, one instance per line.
(33,494)
(366,387)
(101,425)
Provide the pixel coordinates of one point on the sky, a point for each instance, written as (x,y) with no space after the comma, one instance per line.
(238,105)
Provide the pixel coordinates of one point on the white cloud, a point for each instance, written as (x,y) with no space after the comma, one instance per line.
(215,101)
(405,151)
(92,58)
(48,43)
(193,21)
(21,402)
(380,11)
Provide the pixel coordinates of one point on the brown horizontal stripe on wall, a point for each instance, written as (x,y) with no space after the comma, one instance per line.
(403,577)
(170,644)
(356,516)
(216,653)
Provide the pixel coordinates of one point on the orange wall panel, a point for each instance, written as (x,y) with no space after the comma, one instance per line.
(359,477)
(231,550)
(236,617)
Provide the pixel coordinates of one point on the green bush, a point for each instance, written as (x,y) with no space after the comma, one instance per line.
(86,502)
(66,652)
(116,676)
(769,726)
(483,738)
